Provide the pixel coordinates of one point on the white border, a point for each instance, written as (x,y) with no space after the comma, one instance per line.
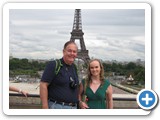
(8,6)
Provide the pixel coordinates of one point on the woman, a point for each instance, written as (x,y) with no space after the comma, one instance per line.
(11,88)
(95,92)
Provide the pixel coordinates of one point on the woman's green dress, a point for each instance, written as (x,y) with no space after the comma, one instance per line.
(97,100)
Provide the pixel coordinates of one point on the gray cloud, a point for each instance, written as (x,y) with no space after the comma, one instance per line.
(108,34)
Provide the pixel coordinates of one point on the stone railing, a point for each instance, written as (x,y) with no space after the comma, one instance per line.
(18,101)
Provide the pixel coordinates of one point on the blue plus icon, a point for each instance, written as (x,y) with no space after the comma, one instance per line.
(147,99)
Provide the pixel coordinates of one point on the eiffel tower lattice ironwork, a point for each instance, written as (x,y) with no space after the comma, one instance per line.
(77,34)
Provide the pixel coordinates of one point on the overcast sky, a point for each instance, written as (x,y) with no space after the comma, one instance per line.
(115,34)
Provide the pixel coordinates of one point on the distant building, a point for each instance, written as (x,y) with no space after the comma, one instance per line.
(119,77)
(130,78)
(38,60)
(130,81)
(10,57)
(140,62)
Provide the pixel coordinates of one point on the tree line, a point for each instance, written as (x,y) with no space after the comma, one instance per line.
(137,71)
(24,67)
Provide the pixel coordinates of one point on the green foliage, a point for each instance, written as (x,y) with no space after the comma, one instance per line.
(24,67)
(137,71)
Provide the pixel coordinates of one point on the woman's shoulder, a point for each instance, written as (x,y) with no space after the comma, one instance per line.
(106,82)
(83,81)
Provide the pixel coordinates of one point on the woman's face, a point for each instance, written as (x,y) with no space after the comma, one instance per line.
(95,68)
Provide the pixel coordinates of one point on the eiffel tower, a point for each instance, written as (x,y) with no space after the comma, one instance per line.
(77,34)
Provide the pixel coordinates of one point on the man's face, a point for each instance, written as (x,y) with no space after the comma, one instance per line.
(70,53)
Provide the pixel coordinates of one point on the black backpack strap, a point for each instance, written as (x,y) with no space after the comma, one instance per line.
(76,69)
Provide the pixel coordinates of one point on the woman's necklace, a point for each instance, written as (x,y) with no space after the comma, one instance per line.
(96,82)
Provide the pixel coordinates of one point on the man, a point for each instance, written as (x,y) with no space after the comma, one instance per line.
(60,91)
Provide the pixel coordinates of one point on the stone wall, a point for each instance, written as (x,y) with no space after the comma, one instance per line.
(20,102)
